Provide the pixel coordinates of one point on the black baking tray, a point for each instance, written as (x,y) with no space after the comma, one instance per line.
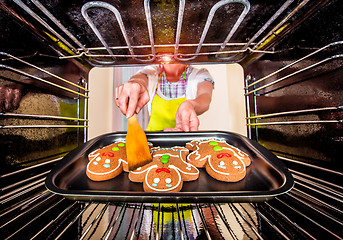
(266,177)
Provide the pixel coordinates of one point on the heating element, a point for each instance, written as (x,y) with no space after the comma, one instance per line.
(291,52)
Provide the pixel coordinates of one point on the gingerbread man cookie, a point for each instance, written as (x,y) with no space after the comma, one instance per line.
(166,172)
(221,160)
(108,162)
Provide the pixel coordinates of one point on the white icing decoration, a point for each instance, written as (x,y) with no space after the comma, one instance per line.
(107,161)
(139,168)
(161,190)
(105,173)
(168,180)
(221,163)
(223,173)
(156,180)
(189,168)
(98,158)
(188,173)
(235,162)
(146,169)
(92,155)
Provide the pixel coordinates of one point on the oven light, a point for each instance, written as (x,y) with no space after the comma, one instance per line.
(165,58)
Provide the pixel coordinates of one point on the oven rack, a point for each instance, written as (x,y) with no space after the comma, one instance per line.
(313,203)
(81,93)
(311,63)
(96,220)
(236,52)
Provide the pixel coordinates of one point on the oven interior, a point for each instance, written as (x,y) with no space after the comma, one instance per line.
(291,53)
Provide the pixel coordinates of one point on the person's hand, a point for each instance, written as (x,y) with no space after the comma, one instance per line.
(131,96)
(186,118)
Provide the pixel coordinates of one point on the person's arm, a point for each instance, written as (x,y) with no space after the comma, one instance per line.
(204,96)
(187,114)
(131,96)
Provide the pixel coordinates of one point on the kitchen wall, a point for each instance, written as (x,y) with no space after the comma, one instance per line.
(227,110)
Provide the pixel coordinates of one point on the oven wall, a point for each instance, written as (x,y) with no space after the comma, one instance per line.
(227,110)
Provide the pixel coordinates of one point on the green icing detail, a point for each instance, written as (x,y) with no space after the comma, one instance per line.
(213,143)
(121,144)
(217,148)
(165,158)
(115,149)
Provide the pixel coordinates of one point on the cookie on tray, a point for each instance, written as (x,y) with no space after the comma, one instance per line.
(108,162)
(166,172)
(221,160)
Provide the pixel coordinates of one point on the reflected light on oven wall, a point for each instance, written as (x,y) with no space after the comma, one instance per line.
(227,110)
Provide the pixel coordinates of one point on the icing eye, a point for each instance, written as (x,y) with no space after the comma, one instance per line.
(95,163)
(98,158)
(156,180)
(222,165)
(235,162)
(107,161)
(168,180)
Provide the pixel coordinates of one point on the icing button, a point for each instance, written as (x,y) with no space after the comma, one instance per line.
(164,160)
(213,143)
(217,148)
(115,148)
(107,165)
(121,144)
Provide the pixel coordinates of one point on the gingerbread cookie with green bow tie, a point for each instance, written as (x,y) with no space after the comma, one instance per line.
(221,160)
(167,171)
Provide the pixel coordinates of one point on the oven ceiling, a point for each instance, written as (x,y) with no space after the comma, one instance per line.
(136,31)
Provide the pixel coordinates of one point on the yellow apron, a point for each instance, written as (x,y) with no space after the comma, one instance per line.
(163,113)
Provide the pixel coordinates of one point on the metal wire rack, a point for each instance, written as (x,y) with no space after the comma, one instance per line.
(227,51)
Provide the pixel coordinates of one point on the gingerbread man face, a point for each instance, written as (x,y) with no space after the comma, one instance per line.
(221,160)
(107,162)
(166,172)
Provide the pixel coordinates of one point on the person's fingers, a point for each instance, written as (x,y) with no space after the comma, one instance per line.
(194,123)
(121,99)
(116,95)
(133,99)
(143,99)
(185,119)
(176,129)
